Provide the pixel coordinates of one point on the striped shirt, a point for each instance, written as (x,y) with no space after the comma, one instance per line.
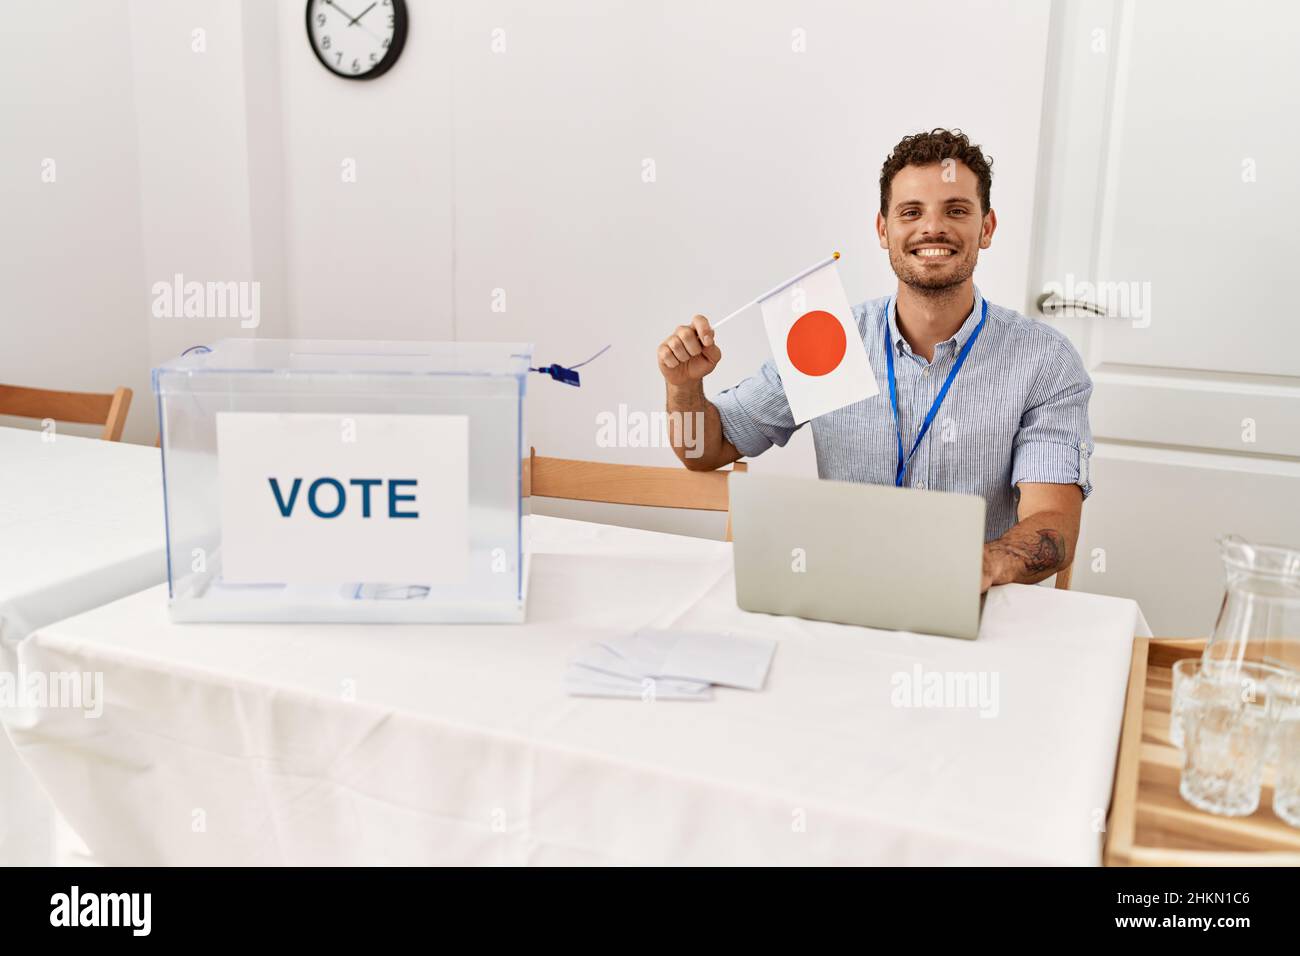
(1017,411)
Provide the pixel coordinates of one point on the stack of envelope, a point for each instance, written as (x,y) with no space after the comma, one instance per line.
(668,665)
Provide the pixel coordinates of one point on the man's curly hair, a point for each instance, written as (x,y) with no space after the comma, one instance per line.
(924,149)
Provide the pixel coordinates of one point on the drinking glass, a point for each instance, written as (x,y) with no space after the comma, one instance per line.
(1187,685)
(1248,684)
(1224,748)
(1284,749)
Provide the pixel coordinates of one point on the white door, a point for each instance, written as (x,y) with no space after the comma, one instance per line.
(1169,197)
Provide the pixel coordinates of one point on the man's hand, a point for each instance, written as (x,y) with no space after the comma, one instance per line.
(689,354)
(1042,542)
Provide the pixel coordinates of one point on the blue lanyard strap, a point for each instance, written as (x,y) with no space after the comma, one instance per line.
(903,462)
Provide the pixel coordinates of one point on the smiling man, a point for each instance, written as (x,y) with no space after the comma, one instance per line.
(1013,423)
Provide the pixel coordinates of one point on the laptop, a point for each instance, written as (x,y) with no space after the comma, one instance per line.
(852,553)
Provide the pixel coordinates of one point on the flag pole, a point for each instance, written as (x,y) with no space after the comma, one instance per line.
(781,288)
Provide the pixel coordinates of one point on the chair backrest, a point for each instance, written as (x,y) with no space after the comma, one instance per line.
(655,487)
(83,408)
(647,485)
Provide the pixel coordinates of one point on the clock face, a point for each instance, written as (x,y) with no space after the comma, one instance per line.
(357,39)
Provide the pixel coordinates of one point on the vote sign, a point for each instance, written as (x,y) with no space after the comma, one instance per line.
(336,499)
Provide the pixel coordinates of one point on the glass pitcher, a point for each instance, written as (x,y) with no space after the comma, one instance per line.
(1259,620)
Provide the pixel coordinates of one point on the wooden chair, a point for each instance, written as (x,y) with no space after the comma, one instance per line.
(577,480)
(648,485)
(84,408)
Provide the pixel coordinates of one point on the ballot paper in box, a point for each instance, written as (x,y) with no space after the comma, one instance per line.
(344,481)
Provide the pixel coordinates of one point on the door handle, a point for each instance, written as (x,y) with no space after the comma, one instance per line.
(1049,303)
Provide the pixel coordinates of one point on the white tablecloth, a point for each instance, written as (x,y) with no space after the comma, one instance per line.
(81,524)
(311,744)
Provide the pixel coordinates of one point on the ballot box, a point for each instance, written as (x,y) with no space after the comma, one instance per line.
(311,480)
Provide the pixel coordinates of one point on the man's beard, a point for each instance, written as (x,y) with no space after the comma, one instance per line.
(917,277)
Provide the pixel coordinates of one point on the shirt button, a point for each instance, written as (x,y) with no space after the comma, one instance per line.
(921,485)
(926,370)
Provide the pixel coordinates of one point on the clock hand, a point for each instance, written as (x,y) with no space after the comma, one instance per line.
(352,19)
(362,13)
(340,10)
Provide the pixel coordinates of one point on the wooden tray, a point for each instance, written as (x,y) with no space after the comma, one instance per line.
(1150,824)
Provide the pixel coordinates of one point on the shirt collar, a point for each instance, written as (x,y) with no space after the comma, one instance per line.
(958,339)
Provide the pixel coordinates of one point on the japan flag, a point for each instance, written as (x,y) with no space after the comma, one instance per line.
(817,347)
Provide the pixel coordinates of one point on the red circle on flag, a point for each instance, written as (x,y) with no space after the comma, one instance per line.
(816,343)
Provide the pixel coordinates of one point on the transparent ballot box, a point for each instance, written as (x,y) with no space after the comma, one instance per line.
(344,481)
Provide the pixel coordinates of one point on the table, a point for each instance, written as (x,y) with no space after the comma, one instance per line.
(351,744)
(81,524)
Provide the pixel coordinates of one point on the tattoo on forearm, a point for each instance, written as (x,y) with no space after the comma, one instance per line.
(1038,551)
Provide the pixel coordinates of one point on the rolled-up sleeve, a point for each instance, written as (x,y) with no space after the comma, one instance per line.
(755,413)
(1054,443)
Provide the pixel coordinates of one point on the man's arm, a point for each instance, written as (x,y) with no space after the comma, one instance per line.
(700,445)
(1043,540)
(694,425)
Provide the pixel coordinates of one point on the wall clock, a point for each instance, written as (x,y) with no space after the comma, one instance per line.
(357,39)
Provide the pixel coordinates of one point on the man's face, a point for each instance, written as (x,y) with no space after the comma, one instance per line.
(935,230)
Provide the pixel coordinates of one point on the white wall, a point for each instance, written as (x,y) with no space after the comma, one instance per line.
(371,258)
(161,167)
(72,302)
(206,150)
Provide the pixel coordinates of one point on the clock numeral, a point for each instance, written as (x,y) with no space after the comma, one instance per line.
(365,64)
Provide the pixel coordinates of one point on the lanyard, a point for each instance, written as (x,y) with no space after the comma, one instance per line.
(903,462)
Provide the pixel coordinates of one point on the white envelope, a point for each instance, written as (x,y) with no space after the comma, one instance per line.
(583,682)
(726,659)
